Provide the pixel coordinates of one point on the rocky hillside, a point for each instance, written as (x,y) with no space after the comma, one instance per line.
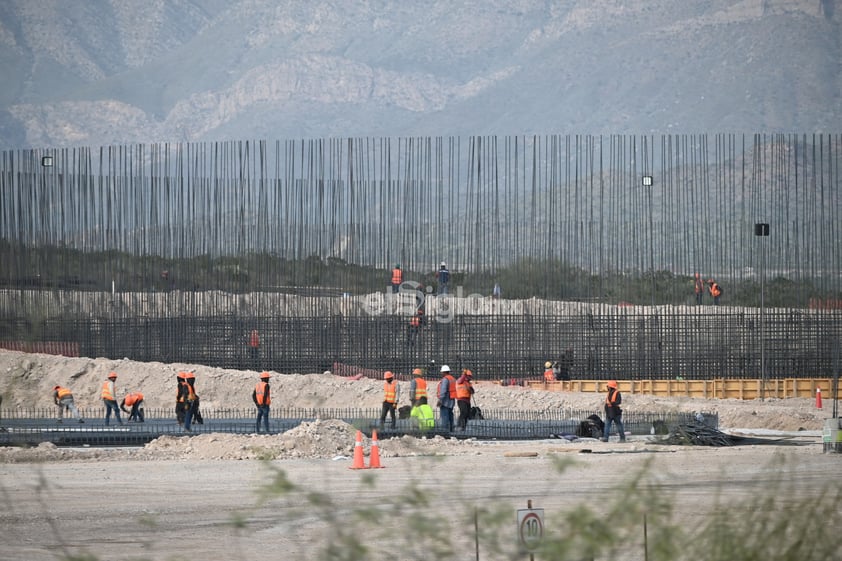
(92,72)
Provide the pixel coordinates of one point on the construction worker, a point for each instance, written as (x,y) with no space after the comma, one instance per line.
(464,392)
(179,398)
(414,327)
(443,276)
(715,291)
(699,289)
(262,399)
(397,278)
(417,387)
(108,394)
(613,412)
(254,348)
(446,395)
(189,399)
(64,399)
(135,401)
(423,415)
(549,373)
(391,394)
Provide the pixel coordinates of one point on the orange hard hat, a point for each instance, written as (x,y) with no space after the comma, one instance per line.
(417,372)
(57,388)
(388,375)
(264,375)
(189,375)
(180,375)
(612,384)
(112,375)
(467,372)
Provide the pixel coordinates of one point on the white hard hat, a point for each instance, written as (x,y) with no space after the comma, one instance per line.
(445,368)
(442,264)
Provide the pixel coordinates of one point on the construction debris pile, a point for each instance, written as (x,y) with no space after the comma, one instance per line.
(697,435)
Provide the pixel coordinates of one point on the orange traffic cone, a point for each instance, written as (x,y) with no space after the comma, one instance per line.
(374,456)
(359,462)
(818,398)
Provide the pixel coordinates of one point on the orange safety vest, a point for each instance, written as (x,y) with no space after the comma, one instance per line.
(611,398)
(463,390)
(714,290)
(389,391)
(254,342)
(106,391)
(420,388)
(397,276)
(451,386)
(133,398)
(191,391)
(261,391)
(549,375)
(415,321)
(61,393)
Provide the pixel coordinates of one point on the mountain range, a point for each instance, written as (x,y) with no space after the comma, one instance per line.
(103,72)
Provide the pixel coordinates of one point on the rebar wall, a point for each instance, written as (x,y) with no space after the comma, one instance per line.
(179,251)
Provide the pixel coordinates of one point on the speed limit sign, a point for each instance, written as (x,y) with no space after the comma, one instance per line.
(530,527)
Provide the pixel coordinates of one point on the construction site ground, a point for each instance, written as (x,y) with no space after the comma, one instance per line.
(204,497)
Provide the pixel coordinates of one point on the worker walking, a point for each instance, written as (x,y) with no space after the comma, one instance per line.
(64,399)
(189,399)
(135,401)
(108,394)
(417,387)
(464,392)
(613,412)
(446,395)
(262,399)
(391,394)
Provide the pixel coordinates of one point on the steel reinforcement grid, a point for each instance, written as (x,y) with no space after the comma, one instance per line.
(30,427)
(574,248)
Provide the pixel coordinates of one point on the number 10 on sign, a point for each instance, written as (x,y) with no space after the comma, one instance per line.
(530,525)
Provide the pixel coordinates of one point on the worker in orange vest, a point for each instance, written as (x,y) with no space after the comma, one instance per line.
(262,399)
(391,394)
(613,412)
(417,387)
(135,401)
(64,399)
(190,399)
(464,392)
(397,278)
(715,291)
(108,395)
(549,373)
(254,348)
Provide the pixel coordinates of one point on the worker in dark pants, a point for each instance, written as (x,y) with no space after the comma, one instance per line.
(262,399)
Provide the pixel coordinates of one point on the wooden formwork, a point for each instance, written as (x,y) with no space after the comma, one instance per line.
(718,388)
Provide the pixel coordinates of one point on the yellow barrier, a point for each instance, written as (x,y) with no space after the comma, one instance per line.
(720,388)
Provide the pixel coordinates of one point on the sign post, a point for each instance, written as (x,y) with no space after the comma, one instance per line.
(530,528)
